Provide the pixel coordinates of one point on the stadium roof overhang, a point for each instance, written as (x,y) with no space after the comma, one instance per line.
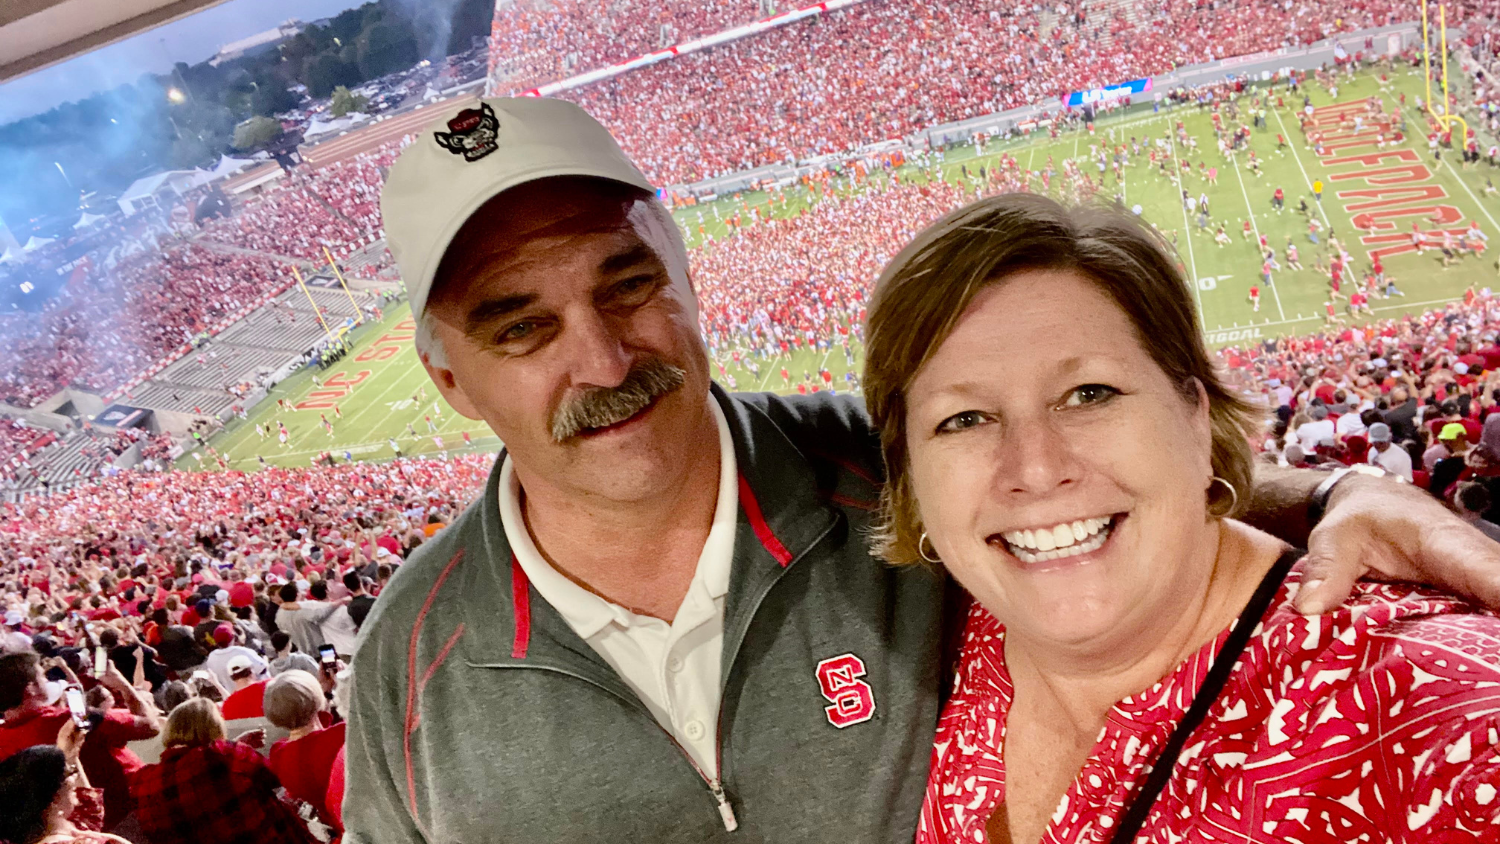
(38,33)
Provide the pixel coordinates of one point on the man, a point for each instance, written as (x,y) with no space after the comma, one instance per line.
(12,638)
(303,620)
(660,620)
(125,654)
(1402,416)
(1309,434)
(1454,440)
(26,719)
(177,648)
(227,649)
(360,601)
(249,693)
(1389,457)
(1351,419)
(339,628)
(286,659)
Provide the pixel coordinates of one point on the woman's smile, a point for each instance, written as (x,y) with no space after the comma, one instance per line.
(1047,548)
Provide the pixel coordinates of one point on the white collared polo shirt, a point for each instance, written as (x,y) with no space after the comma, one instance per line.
(673,668)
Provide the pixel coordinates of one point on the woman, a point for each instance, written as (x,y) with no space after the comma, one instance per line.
(1056,436)
(304,760)
(45,796)
(208,789)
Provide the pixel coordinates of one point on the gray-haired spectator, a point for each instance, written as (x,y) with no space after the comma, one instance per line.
(1386,455)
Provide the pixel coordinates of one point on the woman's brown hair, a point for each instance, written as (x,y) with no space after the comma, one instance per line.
(930,284)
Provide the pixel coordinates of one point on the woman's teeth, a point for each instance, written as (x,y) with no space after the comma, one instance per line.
(1065,540)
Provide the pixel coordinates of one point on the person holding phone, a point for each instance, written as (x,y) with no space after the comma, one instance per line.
(29,719)
(297,702)
(207,788)
(47,797)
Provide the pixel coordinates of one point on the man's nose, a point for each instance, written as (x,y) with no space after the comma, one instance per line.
(596,347)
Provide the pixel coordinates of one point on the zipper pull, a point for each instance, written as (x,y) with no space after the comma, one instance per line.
(726,811)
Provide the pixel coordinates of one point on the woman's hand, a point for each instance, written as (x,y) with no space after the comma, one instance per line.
(1389,531)
(253,738)
(70,740)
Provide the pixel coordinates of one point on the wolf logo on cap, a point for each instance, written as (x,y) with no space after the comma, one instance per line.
(471,134)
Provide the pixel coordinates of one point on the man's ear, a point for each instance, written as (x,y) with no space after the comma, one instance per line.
(447,385)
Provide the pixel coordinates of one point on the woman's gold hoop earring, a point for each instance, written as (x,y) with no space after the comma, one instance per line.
(922,549)
(1234,497)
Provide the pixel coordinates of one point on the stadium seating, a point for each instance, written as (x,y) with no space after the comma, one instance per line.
(144,308)
(532,43)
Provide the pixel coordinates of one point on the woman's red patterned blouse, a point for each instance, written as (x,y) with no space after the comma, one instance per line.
(1377,722)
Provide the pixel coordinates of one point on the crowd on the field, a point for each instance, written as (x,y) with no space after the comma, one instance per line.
(783,283)
(222,601)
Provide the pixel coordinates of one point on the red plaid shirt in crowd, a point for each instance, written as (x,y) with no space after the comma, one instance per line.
(222,792)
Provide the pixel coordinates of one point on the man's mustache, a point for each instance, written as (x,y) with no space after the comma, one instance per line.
(600,407)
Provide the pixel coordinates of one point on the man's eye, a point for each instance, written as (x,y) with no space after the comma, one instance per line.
(962,422)
(635,291)
(1090,394)
(518,331)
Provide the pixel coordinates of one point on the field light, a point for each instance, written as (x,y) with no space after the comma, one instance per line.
(175,95)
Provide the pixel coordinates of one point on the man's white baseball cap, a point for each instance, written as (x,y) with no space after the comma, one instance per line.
(476,152)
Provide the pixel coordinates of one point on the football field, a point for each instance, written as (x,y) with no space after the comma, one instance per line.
(380,392)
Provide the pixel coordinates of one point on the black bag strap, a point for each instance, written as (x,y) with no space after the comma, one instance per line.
(1218,675)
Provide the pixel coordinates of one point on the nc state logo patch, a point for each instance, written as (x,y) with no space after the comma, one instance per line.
(472,133)
(852,699)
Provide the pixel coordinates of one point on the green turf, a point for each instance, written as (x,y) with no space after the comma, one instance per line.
(380,404)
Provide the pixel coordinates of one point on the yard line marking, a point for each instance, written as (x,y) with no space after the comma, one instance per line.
(1187,232)
(1315,318)
(1291,142)
(1249,209)
(764,378)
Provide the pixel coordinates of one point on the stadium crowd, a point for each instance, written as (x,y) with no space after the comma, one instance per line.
(533,43)
(101,332)
(290,220)
(883,70)
(213,595)
(1416,395)
(783,283)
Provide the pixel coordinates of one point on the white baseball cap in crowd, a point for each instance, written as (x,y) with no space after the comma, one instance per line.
(472,155)
(237,664)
